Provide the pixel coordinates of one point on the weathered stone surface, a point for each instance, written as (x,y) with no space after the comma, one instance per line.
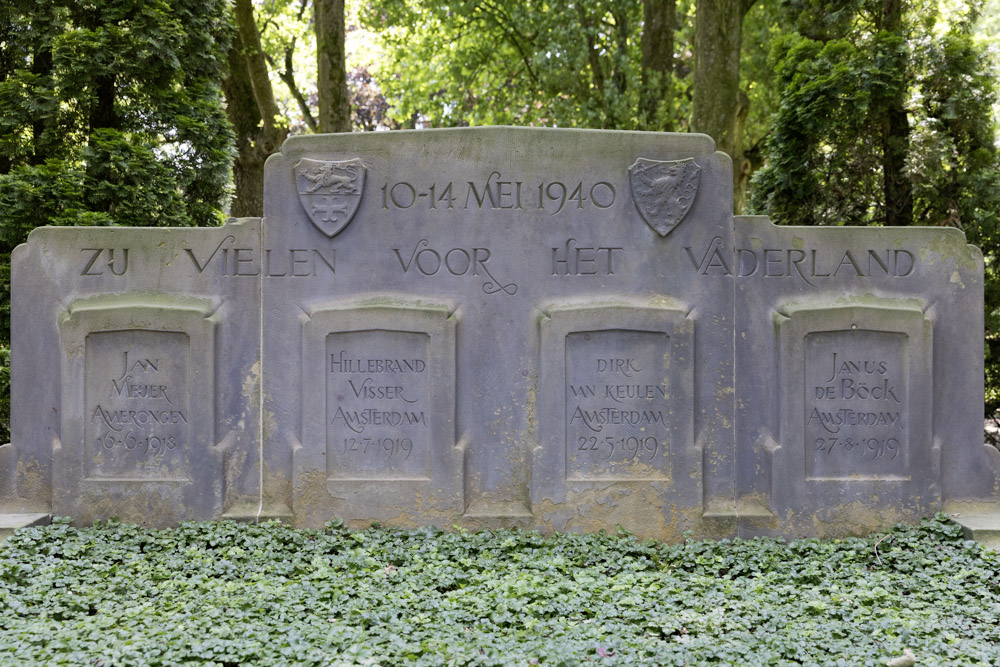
(135,379)
(983,528)
(858,406)
(552,328)
(524,242)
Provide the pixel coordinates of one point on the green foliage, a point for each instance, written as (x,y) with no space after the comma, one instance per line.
(823,154)
(955,162)
(228,593)
(513,62)
(4,394)
(835,74)
(110,113)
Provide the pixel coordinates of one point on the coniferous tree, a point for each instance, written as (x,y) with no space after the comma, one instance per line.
(885,118)
(110,114)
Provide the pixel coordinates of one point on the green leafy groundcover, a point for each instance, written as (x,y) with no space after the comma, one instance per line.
(235,594)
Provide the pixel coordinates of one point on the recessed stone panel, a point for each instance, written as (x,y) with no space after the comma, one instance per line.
(378,412)
(137,405)
(857,407)
(856,438)
(138,410)
(378,405)
(618,405)
(616,416)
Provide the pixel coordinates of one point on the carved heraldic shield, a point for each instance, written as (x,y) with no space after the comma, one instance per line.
(330,191)
(664,191)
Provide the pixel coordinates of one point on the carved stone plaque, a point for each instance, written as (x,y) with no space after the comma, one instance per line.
(857,405)
(137,405)
(487,327)
(618,414)
(377,410)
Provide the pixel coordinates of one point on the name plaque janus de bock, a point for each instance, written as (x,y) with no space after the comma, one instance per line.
(560,329)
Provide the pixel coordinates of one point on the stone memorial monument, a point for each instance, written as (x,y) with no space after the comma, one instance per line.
(556,329)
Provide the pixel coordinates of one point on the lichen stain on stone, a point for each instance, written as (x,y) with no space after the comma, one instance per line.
(639,470)
(251,383)
(317,500)
(32,483)
(638,508)
(952,247)
(139,506)
(277,486)
(311,501)
(233,471)
(856,518)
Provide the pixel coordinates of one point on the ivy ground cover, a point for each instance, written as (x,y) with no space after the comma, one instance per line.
(233,594)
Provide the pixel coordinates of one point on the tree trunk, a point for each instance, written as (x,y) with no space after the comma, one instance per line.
(41,65)
(596,69)
(241,108)
(896,131)
(274,128)
(253,112)
(103,114)
(334,105)
(741,164)
(716,107)
(659,20)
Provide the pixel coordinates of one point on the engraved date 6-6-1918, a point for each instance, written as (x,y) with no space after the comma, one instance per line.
(148,445)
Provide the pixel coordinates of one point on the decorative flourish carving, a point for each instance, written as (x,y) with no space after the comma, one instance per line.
(330,192)
(664,191)
(492,286)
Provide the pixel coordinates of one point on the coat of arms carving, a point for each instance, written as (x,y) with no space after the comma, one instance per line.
(330,191)
(664,191)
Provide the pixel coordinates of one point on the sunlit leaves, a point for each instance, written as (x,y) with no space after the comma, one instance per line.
(523,62)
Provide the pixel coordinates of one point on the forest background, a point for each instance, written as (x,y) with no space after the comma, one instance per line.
(836,112)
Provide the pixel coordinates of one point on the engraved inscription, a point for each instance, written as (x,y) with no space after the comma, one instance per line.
(137,404)
(576,260)
(617,407)
(377,419)
(427,261)
(288,263)
(500,193)
(856,418)
(111,260)
(810,265)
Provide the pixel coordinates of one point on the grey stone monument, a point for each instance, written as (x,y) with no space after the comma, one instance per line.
(557,329)
(136,375)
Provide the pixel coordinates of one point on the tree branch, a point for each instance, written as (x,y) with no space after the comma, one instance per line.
(254,56)
(514,38)
(287,75)
(595,62)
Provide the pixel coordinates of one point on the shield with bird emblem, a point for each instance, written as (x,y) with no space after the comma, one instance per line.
(664,191)
(330,191)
